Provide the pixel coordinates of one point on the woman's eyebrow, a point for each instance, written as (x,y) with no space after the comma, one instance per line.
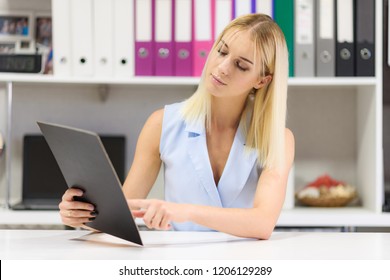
(223,42)
(243,58)
(247,60)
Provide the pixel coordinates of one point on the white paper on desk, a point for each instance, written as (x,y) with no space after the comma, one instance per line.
(158,238)
(182,237)
(105,238)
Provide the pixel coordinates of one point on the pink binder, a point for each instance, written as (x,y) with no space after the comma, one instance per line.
(203,33)
(164,46)
(144,34)
(183,37)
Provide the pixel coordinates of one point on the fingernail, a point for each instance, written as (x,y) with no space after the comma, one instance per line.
(91,219)
(94,213)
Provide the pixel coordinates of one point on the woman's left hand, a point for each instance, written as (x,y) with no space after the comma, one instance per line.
(157,214)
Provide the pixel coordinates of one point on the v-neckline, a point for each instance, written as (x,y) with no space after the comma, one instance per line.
(237,170)
(227,163)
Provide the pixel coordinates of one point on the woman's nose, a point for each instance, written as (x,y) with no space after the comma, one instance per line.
(223,67)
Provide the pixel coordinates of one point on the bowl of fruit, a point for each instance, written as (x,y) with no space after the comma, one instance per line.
(326,192)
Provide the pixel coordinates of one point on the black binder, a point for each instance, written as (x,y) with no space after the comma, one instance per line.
(385,60)
(386,107)
(345,49)
(365,37)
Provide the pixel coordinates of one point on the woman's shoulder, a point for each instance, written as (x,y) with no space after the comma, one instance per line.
(170,113)
(172,125)
(289,134)
(290,144)
(173,115)
(174,108)
(157,116)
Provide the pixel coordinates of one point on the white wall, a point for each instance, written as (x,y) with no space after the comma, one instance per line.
(324,124)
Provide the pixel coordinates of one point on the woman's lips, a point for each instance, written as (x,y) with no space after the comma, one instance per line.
(217,80)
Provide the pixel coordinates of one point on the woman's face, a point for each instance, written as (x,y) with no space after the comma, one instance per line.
(231,70)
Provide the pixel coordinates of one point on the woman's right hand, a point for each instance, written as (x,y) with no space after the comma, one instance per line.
(75,213)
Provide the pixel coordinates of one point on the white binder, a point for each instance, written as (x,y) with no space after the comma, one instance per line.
(223,15)
(81,32)
(304,59)
(123,38)
(61,38)
(265,7)
(103,37)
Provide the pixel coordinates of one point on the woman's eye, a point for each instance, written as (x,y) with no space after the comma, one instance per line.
(240,67)
(221,52)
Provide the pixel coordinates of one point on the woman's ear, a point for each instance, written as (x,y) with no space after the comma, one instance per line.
(263,81)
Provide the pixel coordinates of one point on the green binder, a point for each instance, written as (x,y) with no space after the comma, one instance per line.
(284,17)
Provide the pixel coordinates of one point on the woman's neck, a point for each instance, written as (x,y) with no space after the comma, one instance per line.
(226,112)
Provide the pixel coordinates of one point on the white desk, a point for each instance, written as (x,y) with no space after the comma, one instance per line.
(62,244)
(299,217)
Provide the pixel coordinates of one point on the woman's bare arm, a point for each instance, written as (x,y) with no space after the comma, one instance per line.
(146,164)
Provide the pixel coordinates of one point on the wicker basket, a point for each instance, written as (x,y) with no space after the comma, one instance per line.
(326,201)
(326,192)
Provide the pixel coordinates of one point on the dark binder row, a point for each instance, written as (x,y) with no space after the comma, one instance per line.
(344,38)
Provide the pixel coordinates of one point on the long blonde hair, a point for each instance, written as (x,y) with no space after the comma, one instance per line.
(266,107)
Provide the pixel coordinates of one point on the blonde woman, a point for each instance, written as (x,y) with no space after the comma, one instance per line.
(226,151)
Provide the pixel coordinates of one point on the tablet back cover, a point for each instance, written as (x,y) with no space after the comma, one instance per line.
(85,164)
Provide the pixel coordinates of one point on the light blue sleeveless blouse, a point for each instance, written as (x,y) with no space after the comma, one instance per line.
(188,176)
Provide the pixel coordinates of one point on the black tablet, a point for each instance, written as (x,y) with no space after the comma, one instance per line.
(84,163)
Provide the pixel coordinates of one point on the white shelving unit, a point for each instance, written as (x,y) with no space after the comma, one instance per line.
(337,123)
